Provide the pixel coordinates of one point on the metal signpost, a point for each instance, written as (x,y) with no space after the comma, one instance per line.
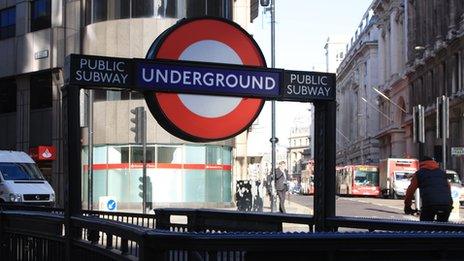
(418,127)
(164,80)
(442,116)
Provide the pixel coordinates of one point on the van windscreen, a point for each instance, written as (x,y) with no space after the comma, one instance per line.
(20,171)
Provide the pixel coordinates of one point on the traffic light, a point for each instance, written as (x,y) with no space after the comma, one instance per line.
(141,187)
(148,198)
(138,120)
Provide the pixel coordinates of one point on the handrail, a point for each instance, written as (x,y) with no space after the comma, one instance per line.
(318,246)
(39,223)
(373,224)
(119,213)
(115,228)
(227,220)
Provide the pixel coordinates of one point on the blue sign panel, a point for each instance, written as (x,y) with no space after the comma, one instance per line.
(308,86)
(111,204)
(204,79)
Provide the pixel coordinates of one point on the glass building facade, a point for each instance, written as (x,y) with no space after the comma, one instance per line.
(178,175)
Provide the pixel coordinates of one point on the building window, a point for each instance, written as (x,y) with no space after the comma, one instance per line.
(443,77)
(7,96)
(101,95)
(102,10)
(119,9)
(144,8)
(41,91)
(99,11)
(455,76)
(137,154)
(430,86)
(7,23)
(169,154)
(40,15)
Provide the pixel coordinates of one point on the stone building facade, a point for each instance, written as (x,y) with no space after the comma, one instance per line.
(393,93)
(357,112)
(299,148)
(435,44)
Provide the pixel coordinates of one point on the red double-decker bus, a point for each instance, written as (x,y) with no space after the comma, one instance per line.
(358,180)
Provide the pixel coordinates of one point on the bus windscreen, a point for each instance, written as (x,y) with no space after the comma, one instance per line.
(366,178)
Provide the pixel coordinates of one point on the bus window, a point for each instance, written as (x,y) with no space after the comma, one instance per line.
(366,178)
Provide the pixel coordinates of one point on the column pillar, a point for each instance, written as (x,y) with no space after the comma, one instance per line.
(22,113)
(452,24)
(394,43)
(57,137)
(381,61)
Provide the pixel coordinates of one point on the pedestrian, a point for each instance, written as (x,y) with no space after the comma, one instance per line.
(435,192)
(281,184)
(270,191)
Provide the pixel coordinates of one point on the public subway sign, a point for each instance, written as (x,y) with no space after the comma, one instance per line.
(203,79)
(97,71)
(304,86)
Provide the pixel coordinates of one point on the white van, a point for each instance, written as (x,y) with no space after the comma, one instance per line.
(22,181)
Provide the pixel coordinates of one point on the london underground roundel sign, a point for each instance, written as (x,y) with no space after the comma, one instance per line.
(203,118)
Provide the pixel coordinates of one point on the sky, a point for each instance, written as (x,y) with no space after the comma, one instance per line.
(301,31)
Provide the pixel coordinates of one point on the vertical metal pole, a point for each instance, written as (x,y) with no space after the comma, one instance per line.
(327,56)
(330,158)
(273,104)
(324,158)
(445,129)
(421,150)
(144,155)
(72,162)
(90,151)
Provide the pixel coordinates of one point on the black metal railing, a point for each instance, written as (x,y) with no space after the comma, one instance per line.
(34,233)
(208,220)
(306,246)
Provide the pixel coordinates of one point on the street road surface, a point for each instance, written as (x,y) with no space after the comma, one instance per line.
(361,207)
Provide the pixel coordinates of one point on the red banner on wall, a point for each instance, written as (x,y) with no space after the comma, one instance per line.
(42,153)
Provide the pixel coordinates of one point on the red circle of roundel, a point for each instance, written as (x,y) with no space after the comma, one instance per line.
(169,110)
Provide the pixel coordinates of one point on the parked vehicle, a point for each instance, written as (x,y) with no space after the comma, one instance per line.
(456,185)
(395,176)
(358,180)
(22,181)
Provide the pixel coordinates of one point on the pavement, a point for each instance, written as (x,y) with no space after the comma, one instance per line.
(290,207)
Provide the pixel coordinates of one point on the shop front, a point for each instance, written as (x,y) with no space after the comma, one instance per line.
(177,176)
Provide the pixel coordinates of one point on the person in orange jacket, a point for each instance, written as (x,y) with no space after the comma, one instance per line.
(435,192)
